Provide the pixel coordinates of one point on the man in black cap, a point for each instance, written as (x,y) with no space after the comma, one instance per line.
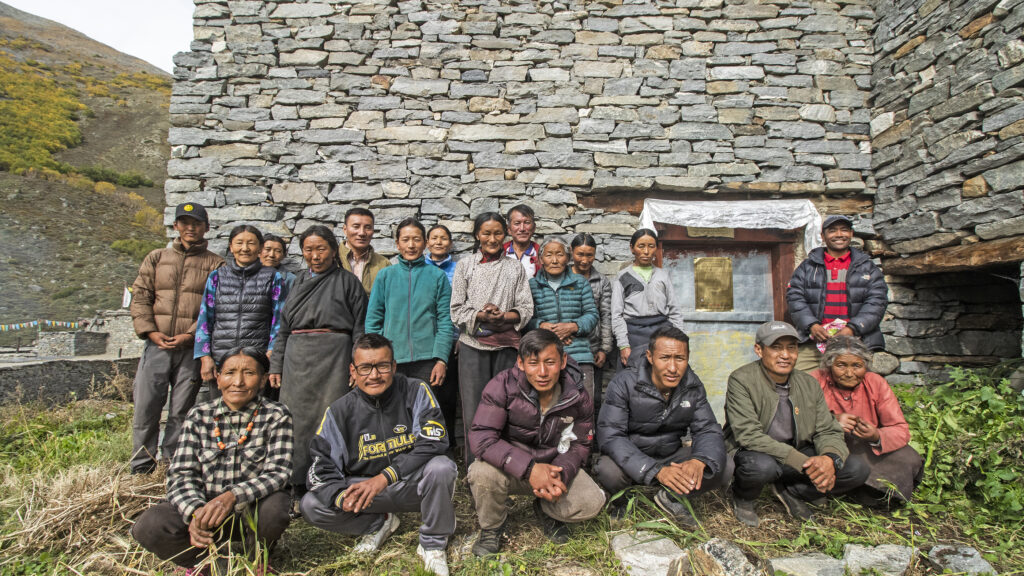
(165,303)
(780,431)
(836,290)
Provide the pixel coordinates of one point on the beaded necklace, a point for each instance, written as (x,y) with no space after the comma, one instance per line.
(244,436)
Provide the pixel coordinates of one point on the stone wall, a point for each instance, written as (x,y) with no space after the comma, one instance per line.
(971,318)
(65,344)
(948,138)
(948,122)
(286,114)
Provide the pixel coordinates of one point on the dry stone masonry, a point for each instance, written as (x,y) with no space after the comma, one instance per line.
(286,114)
(948,139)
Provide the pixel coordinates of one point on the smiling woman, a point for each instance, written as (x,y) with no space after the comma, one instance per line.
(232,463)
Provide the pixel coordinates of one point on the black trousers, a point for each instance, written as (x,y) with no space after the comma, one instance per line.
(447,394)
(756,469)
(614,479)
(162,531)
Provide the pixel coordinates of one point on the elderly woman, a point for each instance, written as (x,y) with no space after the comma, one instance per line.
(273,253)
(870,415)
(232,462)
(323,315)
(564,303)
(584,250)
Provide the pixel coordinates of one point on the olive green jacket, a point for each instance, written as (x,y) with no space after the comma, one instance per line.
(750,405)
(376,264)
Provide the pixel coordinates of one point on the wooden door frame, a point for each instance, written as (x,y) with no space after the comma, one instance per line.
(781,244)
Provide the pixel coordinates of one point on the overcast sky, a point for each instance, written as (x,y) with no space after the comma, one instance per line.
(153,30)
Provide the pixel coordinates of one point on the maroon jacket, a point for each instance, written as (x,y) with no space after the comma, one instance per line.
(509,433)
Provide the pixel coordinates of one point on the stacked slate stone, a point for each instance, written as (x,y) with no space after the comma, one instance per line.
(948,122)
(948,138)
(286,114)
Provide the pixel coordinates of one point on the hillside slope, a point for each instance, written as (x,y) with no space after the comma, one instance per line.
(58,216)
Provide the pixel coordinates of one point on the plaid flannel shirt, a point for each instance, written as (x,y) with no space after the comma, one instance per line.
(261,466)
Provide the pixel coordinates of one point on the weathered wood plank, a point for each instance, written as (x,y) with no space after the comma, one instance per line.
(958,258)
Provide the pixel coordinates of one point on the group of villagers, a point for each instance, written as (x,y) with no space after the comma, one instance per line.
(334,391)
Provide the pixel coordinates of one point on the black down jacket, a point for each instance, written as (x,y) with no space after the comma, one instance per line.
(244,308)
(637,426)
(866,292)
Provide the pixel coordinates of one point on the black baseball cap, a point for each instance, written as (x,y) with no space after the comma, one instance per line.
(192,210)
(830,220)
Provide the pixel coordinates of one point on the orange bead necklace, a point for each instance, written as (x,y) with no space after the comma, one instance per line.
(244,436)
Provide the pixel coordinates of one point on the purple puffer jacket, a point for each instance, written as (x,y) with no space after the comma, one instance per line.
(509,433)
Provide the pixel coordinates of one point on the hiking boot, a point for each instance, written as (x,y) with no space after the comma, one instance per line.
(794,506)
(555,531)
(618,510)
(489,541)
(678,512)
(744,511)
(434,561)
(372,542)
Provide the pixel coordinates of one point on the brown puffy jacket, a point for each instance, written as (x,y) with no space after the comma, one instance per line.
(167,294)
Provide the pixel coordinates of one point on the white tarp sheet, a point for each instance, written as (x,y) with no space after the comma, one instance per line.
(784,214)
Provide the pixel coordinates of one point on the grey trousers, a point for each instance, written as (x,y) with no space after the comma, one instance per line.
(613,479)
(476,368)
(491,488)
(428,491)
(160,370)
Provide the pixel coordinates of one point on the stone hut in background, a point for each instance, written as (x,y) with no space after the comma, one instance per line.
(729,124)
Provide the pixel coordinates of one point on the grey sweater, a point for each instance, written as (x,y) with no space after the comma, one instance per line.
(502,282)
(656,297)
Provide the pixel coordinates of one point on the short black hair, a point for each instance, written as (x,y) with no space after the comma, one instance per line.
(246,228)
(411,222)
(668,331)
(358,211)
(536,340)
(370,341)
(482,219)
(582,239)
(260,356)
(274,238)
(440,227)
(522,209)
(640,234)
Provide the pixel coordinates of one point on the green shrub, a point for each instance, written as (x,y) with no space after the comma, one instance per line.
(971,433)
(126,179)
(136,248)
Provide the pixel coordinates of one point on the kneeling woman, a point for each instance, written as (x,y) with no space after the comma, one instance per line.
(233,459)
(870,414)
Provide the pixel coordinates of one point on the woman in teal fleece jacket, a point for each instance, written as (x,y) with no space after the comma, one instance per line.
(563,302)
(410,304)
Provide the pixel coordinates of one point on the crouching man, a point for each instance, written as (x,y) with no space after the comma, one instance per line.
(647,412)
(782,433)
(379,451)
(531,435)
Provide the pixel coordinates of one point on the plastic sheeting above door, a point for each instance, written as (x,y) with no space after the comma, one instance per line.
(750,214)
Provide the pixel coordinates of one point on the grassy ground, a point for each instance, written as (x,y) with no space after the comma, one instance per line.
(67,503)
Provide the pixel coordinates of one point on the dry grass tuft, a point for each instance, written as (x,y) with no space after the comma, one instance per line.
(78,511)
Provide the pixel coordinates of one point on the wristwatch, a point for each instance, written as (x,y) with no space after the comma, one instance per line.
(836,461)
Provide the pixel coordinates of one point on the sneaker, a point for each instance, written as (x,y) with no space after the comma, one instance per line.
(678,512)
(489,541)
(555,531)
(794,506)
(372,542)
(744,511)
(434,561)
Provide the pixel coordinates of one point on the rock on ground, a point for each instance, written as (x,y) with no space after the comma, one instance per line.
(815,564)
(719,557)
(887,559)
(647,554)
(960,559)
